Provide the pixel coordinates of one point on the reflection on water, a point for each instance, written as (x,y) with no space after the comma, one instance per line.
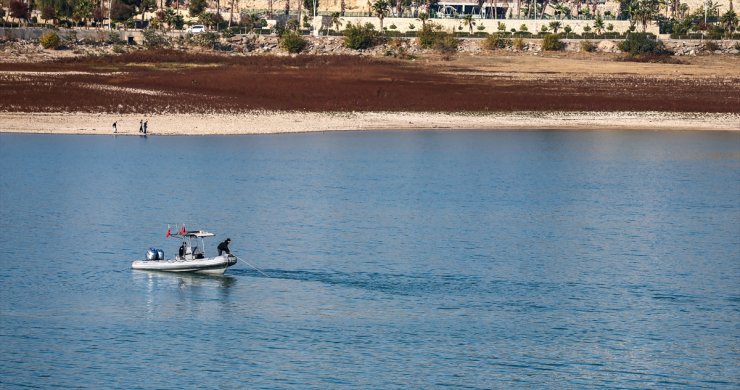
(187,290)
(394,260)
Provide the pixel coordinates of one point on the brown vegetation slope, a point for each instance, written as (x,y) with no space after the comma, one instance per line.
(148,82)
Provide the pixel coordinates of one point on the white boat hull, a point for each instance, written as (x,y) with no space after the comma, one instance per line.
(210,265)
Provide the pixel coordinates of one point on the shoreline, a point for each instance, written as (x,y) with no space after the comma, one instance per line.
(278,122)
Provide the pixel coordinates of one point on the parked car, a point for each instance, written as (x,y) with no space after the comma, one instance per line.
(197,28)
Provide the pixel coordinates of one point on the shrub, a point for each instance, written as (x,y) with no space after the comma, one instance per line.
(292,42)
(588,46)
(153,39)
(642,43)
(496,41)
(230,32)
(428,36)
(50,40)
(358,37)
(551,42)
(518,43)
(114,38)
(446,44)
(206,39)
(710,46)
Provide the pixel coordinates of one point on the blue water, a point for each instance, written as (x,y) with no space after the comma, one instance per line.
(395,260)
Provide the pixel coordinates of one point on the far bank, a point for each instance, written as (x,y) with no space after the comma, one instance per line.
(275,122)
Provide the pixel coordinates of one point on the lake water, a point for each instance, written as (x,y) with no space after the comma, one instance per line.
(395,260)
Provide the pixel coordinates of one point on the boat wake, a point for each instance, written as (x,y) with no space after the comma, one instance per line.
(396,284)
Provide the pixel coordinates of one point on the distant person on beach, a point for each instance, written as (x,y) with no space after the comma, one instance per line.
(224,247)
(115,127)
(141,126)
(145,125)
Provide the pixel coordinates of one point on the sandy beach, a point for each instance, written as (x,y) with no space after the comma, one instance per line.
(265,122)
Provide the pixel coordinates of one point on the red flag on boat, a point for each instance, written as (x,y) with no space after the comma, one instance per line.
(182,231)
(168,233)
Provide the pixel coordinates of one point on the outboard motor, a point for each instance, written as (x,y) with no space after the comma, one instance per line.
(151,254)
(160,254)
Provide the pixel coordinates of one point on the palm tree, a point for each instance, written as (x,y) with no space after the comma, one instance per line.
(231,13)
(729,20)
(683,9)
(423,17)
(598,24)
(545,3)
(644,11)
(563,11)
(336,21)
(555,26)
(380,9)
(467,20)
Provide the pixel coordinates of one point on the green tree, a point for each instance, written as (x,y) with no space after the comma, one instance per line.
(567,29)
(121,11)
(83,11)
(643,11)
(147,6)
(197,7)
(562,11)
(729,21)
(380,9)
(210,19)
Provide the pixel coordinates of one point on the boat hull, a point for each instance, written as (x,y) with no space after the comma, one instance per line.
(212,265)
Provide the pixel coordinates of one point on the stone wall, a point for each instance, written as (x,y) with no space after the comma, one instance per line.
(33,33)
(491,25)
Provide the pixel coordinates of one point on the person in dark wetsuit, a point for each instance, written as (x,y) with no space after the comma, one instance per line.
(224,247)
(181,252)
